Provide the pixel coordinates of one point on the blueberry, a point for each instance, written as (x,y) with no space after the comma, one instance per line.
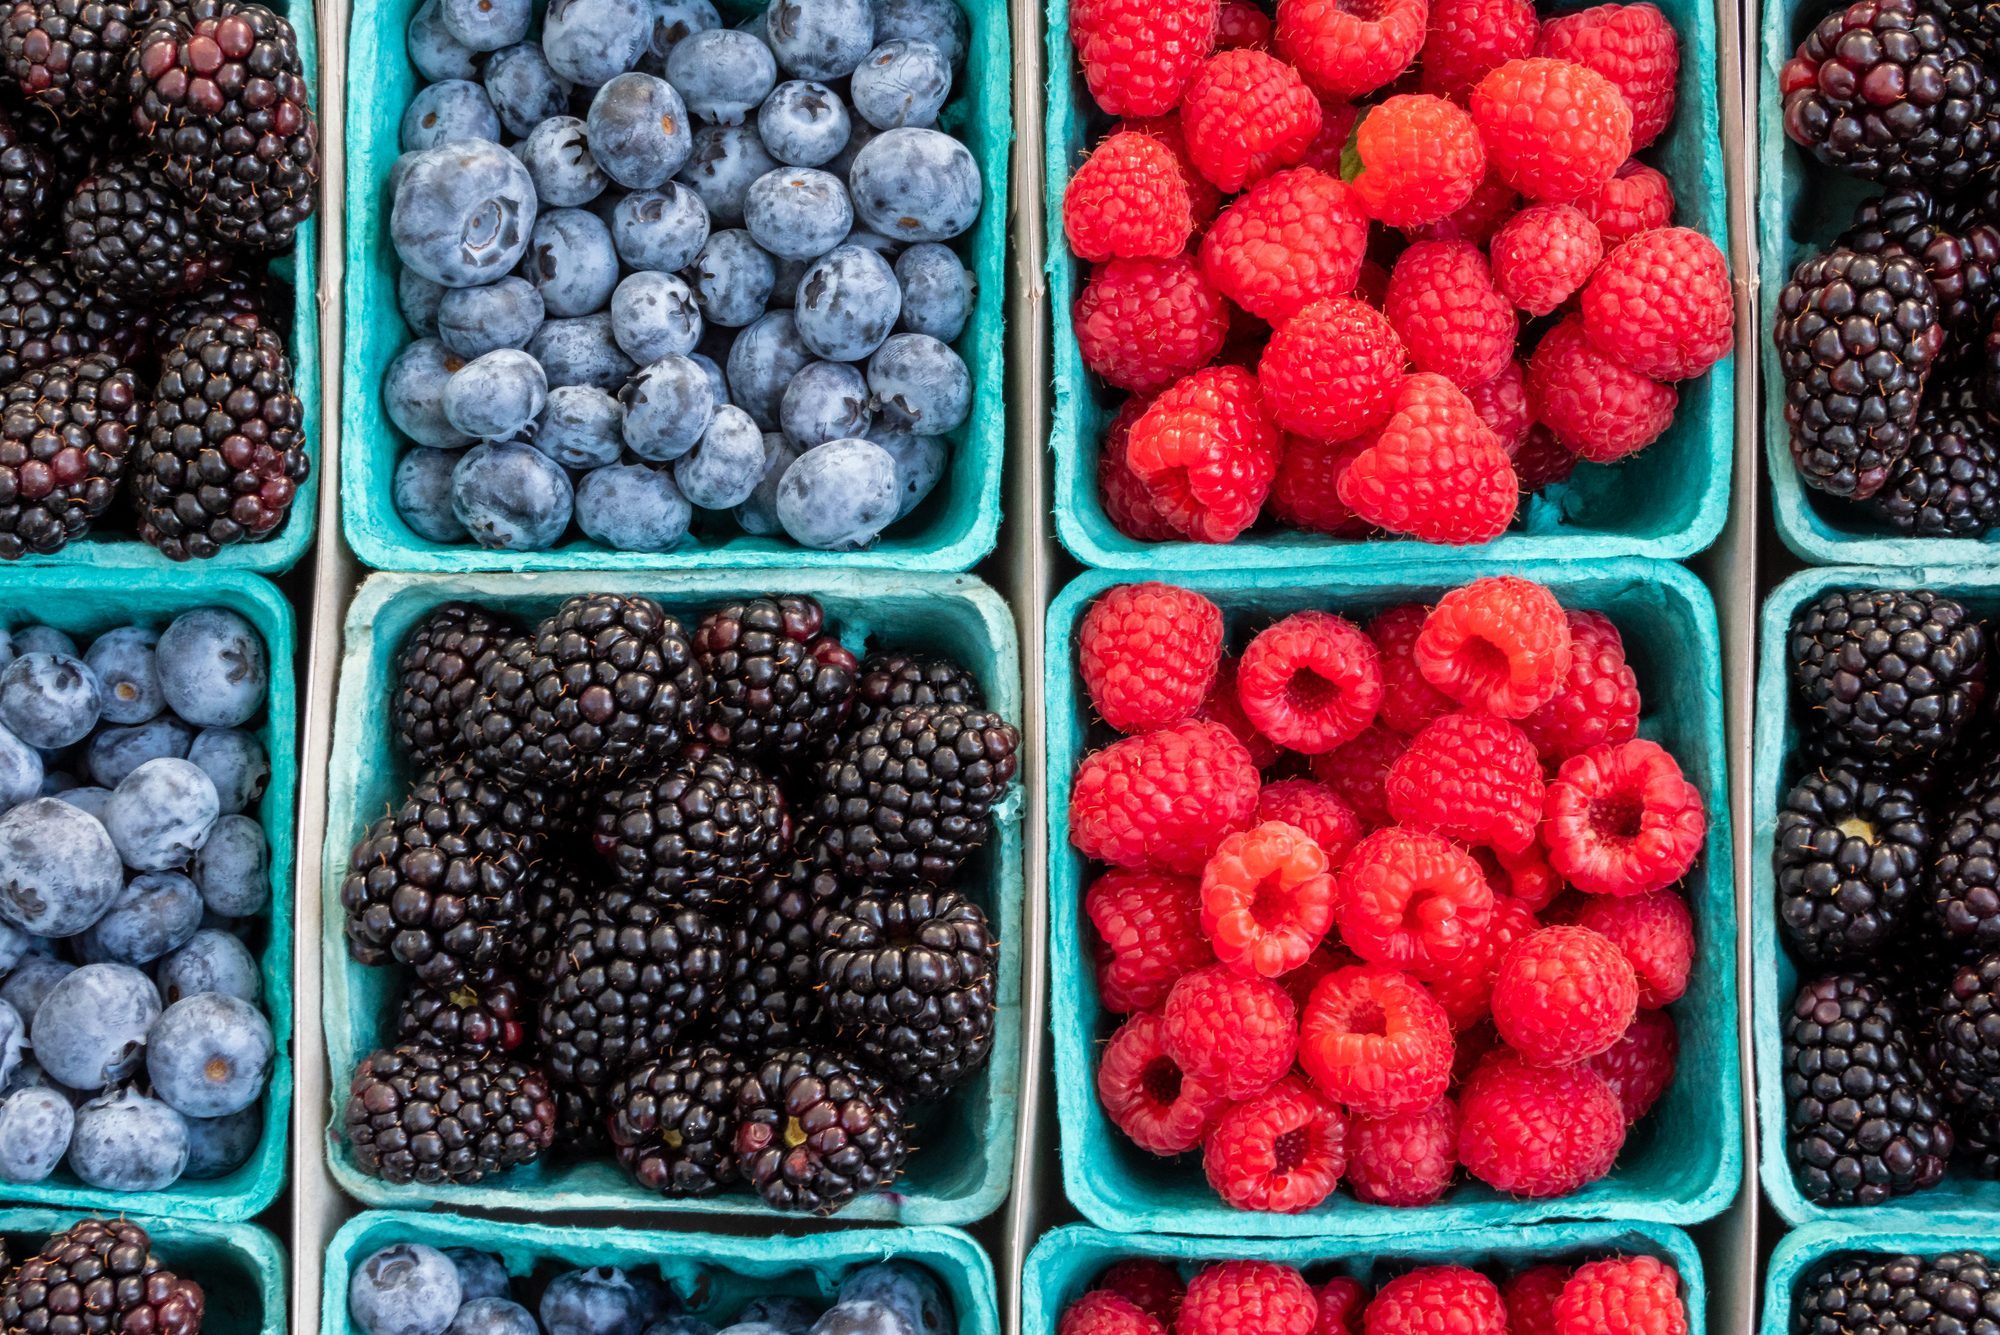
(480,1274)
(674,20)
(859,132)
(157,912)
(725,160)
(233,868)
(789,1313)
(21,770)
(30,983)
(494,1316)
(413,392)
(87,798)
(558,158)
(49,701)
(442,112)
(496,396)
(210,1055)
(902,82)
(487,25)
(129,684)
(15,946)
(583,427)
(160,814)
(726,466)
(115,752)
(463,213)
(580,352)
(213,961)
(722,73)
(797,213)
(523,89)
(874,242)
(407,1289)
(654,315)
(915,184)
(35,1128)
(937,291)
(660,229)
(852,1316)
(709,367)
(920,462)
(848,303)
(940,22)
(13,1038)
(218,1146)
(572,262)
(43,640)
(417,298)
(422,493)
(751,1328)
(473,321)
(909,1289)
(59,869)
(820,39)
(839,495)
(639,131)
(919,384)
(90,1030)
(825,401)
(632,508)
(434,51)
(126,1142)
(235,762)
(802,123)
(212,668)
(602,1301)
(732,277)
(681,1324)
(55,782)
(511,497)
(590,42)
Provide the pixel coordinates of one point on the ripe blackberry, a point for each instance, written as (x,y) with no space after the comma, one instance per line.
(1856,335)
(95,1277)
(893,681)
(437,675)
(1948,485)
(1888,674)
(423,1114)
(68,55)
(1960,253)
(777,683)
(608,685)
(1849,858)
(27,180)
(65,432)
(906,798)
(1864,1123)
(124,231)
(485,1016)
(1978,1142)
(1857,1295)
(908,984)
(673,1122)
(771,997)
(702,830)
(46,315)
(265,297)
(1968,1035)
(1965,866)
(555,889)
(813,1130)
(224,448)
(167,1305)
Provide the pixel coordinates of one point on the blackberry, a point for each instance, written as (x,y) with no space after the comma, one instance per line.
(906,798)
(1888,674)
(1849,859)
(224,449)
(68,56)
(1857,1295)
(813,1130)
(554,890)
(46,315)
(1864,1123)
(423,1114)
(27,180)
(95,1277)
(1978,1142)
(908,983)
(607,686)
(673,1122)
(778,683)
(1856,335)
(771,996)
(437,674)
(1968,1035)
(1948,485)
(892,681)
(126,232)
(1960,255)
(1965,867)
(264,297)
(65,432)
(704,829)
(487,1016)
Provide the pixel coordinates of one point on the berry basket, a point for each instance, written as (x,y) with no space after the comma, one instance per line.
(962,1156)
(1680,1166)
(240,1267)
(83,602)
(1801,1249)
(1668,501)
(956,526)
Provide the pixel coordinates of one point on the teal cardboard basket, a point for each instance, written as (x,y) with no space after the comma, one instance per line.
(1667,501)
(84,602)
(1680,1166)
(714,1275)
(240,1267)
(963,1148)
(1067,1261)
(1800,1250)
(954,528)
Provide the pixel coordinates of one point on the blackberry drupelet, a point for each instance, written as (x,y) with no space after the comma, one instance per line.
(1968,1035)
(1864,1123)
(1857,1295)
(167,1305)
(1965,868)
(1960,255)
(27,181)
(814,1131)
(1851,847)
(437,675)
(96,1277)
(908,984)
(778,683)
(68,56)
(264,297)
(1948,485)
(704,829)
(673,1121)
(891,681)
(66,430)
(554,890)
(771,997)
(46,315)
(123,230)
(1888,674)
(423,1114)
(490,1015)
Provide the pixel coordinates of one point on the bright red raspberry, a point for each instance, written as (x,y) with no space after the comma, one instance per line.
(1204,200)
(1564,995)
(1499,645)
(1332,371)
(1481,216)
(1541,460)
(1147,1095)
(1599,699)
(1375,1041)
(1148,927)
(1451,317)
(1537,1132)
(1313,807)
(1621,819)
(1287,241)
(1266,899)
(1434,473)
(1356,772)
(1282,1151)
(1230,1030)
(1624,1295)
(1405,1160)
(1531,1299)
(1341,1300)
(1408,701)
(1543,255)
(1223,707)
(1410,899)
(1346,49)
(1640,1066)
(1438,1300)
(1526,876)
(1306,492)
(1101,1312)
(1246,115)
(1127,201)
(1207,451)
(1152,1285)
(1597,408)
(1655,932)
(1554,130)
(1469,39)
(1638,199)
(1138,56)
(1242,26)
(1631,45)
(1147,653)
(1127,503)
(1336,127)
(1143,324)
(1420,160)
(1502,403)
(1469,777)
(1661,304)
(1163,799)
(1238,1297)
(1310,682)
(1464,986)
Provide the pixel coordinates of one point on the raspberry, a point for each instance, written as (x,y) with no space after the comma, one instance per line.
(1287,241)
(1266,899)
(1332,370)
(1160,1108)
(1599,698)
(1625,1295)
(1283,1151)
(1555,131)
(1410,899)
(1502,403)
(1206,450)
(1311,682)
(1542,460)
(1491,205)
(1640,1066)
(1345,48)
(1408,701)
(1469,39)
(1526,876)
(1103,1313)
(1638,199)
(1341,1301)
(1420,160)
(1151,1285)
(1375,1042)
(1543,255)
(1239,1297)
(1223,707)
(1127,201)
(1148,654)
(1450,316)
(1631,45)
(1143,324)
(1434,473)
(1204,200)
(1531,1299)
(1438,1300)
(1336,127)
(1148,927)
(1661,304)
(1138,56)
(1241,26)
(1129,506)
(1306,492)
(1621,820)
(1564,995)
(1595,407)
(1246,115)
(1356,771)
(1499,645)
(1464,986)
(1656,934)
(1230,1030)
(1469,777)
(1163,799)
(1537,1132)
(1313,808)
(1405,1160)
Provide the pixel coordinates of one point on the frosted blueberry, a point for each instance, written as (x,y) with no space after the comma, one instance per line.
(59,869)
(909,1290)
(523,89)
(49,701)
(919,384)
(937,291)
(572,262)
(762,362)
(590,42)
(494,1316)
(442,112)
(473,321)
(788,1313)
(434,51)
(557,155)
(902,82)
(218,1146)
(421,491)
(90,1030)
(820,39)
(210,1055)
(129,680)
(659,229)
(116,751)
(825,401)
(480,1274)
(839,495)
(233,869)
(681,1324)
(35,1128)
(157,912)
(580,352)
(848,303)
(940,22)
(413,392)
(407,1289)
(487,25)
(654,315)
(43,640)
(732,278)
(920,462)
(722,73)
(213,961)
(859,132)
(716,384)
(639,131)
(758,515)
(583,427)
(632,508)
(601,1301)
(915,184)
(674,20)
(160,814)
(725,467)
(511,497)
(30,983)
(235,762)
(725,160)
(803,123)
(496,396)
(212,668)
(417,298)
(87,798)
(126,1142)
(797,213)
(21,770)
(463,212)
(667,407)
(863,1317)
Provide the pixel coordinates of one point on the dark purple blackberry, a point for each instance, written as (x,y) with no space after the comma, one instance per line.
(813,1131)
(1948,485)
(1961,255)
(892,681)
(704,829)
(1858,1294)
(486,1016)
(1965,863)
(123,230)
(1978,1142)
(424,1114)
(68,56)
(771,997)
(66,430)
(97,1277)
(437,674)
(555,889)
(1849,858)
(27,181)
(46,315)
(673,1122)
(1968,1035)
(1888,674)
(264,296)
(778,684)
